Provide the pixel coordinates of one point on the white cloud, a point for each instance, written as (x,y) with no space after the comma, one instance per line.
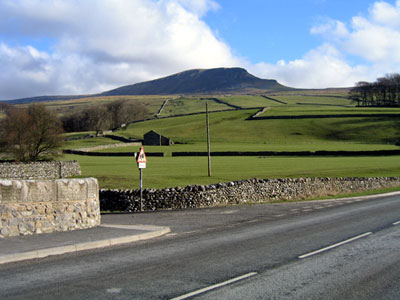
(386,14)
(373,41)
(199,7)
(95,45)
(376,38)
(102,44)
(331,29)
(320,68)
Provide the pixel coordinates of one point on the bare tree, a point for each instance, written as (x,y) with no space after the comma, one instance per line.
(115,110)
(131,112)
(98,119)
(4,106)
(31,134)
(385,91)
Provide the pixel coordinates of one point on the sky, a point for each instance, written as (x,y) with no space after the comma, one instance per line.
(68,47)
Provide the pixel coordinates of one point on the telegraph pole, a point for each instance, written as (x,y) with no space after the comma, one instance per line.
(208,142)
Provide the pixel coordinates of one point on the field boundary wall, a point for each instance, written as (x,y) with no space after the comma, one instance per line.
(39,170)
(292,153)
(332,116)
(239,192)
(110,146)
(91,153)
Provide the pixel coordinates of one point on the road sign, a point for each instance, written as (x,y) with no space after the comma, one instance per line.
(141,159)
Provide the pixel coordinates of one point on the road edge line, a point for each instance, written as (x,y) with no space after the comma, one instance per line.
(334,245)
(215,286)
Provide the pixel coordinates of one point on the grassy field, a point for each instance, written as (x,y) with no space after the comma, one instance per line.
(246,101)
(190,105)
(338,100)
(230,131)
(295,110)
(85,143)
(122,172)
(152,103)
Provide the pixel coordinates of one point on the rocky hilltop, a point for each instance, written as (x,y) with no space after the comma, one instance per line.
(200,81)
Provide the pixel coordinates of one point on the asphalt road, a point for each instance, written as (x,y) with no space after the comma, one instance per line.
(241,252)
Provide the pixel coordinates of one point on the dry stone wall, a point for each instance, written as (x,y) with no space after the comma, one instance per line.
(102,147)
(39,170)
(44,206)
(237,192)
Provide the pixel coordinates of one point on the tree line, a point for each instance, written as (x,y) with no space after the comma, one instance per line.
(33,132)
(385,91)
(108,116)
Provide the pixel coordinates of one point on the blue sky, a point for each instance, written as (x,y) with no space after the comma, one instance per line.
(53,47)
(273,30)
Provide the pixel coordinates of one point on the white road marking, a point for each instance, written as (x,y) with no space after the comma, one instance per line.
(396,223)
(114,290)
(171,234)
(252,221)
(228,212)
(280,215)
(215,286)
(335,245)
(189,232)
(306,210)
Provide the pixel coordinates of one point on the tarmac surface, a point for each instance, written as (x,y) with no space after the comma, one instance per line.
(112,233)
(119,229)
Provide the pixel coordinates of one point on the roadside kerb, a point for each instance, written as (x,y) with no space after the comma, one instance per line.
(154,231)
(390,194)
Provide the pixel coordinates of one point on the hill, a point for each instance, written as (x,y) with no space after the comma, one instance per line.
(196,81)
(200,81)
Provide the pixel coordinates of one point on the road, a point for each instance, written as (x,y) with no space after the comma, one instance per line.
(240,252)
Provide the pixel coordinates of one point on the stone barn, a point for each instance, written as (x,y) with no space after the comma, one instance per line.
(153,138)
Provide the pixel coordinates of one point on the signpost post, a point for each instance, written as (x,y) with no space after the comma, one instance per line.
(141,161)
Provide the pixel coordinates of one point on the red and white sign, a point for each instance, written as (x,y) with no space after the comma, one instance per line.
(141,159)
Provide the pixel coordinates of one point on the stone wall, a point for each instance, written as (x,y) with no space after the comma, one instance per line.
(110,146)
(39,170)
(43,206)
(246,191)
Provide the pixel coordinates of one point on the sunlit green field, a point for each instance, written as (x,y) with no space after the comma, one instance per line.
(231,131)
(122,172)
(188,105)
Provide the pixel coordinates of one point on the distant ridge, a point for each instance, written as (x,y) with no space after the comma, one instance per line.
(198,81)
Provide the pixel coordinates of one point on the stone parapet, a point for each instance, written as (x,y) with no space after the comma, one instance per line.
(43,206)
(238,192)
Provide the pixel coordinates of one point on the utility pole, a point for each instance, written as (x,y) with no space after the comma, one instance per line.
(208,142)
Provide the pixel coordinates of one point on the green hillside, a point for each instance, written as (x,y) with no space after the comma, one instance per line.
(232,131)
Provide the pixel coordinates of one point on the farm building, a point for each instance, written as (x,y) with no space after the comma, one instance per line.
(153,138)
